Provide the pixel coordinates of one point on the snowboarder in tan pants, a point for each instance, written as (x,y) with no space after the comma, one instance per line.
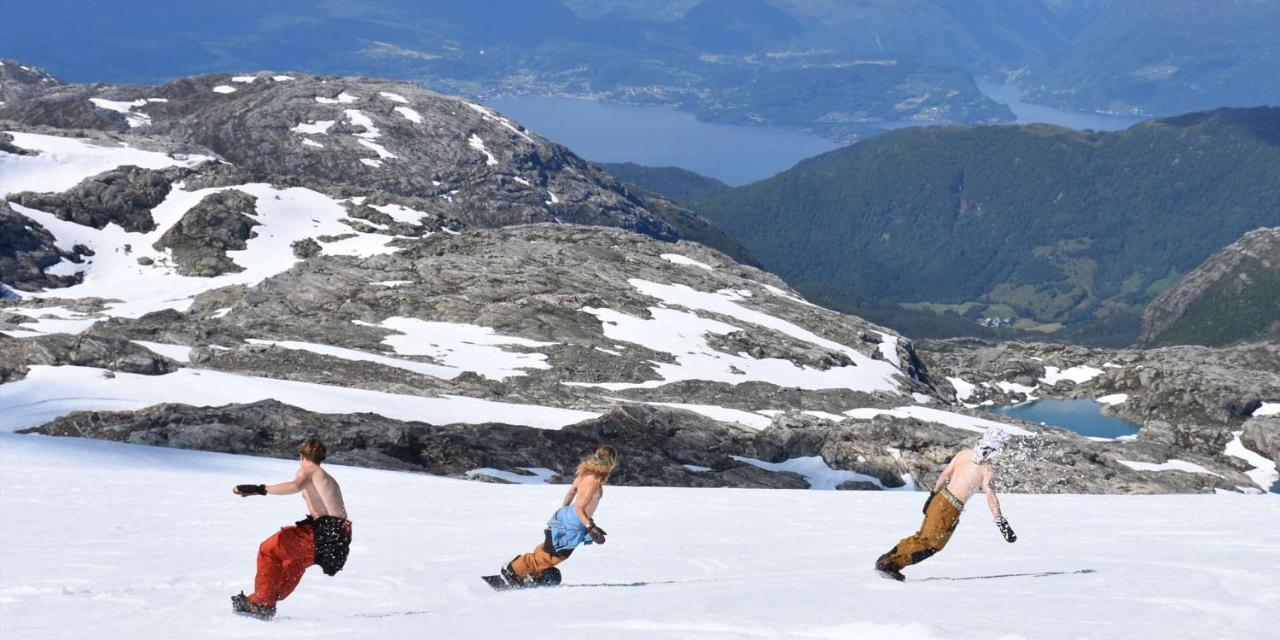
(570,526)
(969,471)
(323,537)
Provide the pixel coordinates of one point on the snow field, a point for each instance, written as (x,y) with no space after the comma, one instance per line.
(63,162)
(49,392)
(140,542)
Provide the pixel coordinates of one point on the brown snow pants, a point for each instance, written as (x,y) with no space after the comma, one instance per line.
(538,560)
(940,522)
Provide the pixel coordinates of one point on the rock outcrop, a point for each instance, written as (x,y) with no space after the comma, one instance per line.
(1234,296)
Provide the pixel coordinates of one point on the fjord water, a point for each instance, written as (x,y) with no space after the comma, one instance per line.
(663,136)
(1027,113)
(1081,416)
(735,154)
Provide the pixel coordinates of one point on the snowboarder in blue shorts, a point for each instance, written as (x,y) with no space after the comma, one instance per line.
(571,525)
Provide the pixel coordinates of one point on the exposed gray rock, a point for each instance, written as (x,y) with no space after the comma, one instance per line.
(115,354)
(124,196)
(220,222)
(26,250)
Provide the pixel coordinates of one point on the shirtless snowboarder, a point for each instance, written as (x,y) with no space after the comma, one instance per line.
(323,538)
(570,526)
(969,471)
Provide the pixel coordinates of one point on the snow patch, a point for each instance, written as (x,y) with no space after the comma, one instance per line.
(462,347)
(409,114)
(1264,472)
(392,283)
(286,215)
(179,352)
(1115,398)
(360,119)
(963,389)
(394,97)
(1267,409)
(314,127)
(486,114)
(62,163)
(819,475)
(50,392)
(134,118)
(400,213)
(926,414)
(342,353)
(224,88)
(683,334)
(378,149)
(686,261)
(536,475)
(244,79)
(1171,465)
(1079,374)
(478,144)
(783,294)
(343,98)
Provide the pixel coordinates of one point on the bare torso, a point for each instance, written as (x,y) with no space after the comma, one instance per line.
(321,492)
(967,477)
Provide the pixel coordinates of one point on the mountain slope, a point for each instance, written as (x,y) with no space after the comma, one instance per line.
(1233,296)
(420,544)
(1164,57)
(673,183)
(1036,222)
(445,156)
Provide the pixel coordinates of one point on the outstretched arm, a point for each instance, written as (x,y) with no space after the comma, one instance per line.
(287,488)
(282,489)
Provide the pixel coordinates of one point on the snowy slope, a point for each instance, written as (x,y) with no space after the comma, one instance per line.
(136,542)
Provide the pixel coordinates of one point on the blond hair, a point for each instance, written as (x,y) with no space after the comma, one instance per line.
(599,464)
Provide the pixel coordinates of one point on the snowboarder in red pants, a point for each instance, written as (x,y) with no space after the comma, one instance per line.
(323,538)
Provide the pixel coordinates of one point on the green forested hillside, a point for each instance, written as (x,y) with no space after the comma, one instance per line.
(1033,222)
(673,183)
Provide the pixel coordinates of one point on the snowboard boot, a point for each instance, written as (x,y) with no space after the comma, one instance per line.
(887,570)
(509,576)
(548,578)
(242,606)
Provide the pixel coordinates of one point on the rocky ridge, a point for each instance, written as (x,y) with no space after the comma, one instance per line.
(1233,296)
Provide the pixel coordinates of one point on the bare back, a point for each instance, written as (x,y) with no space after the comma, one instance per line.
(584,495)
(321,492)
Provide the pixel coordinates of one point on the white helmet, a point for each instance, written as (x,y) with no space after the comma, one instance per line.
(991,442)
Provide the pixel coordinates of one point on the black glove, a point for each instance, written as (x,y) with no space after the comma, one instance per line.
(597,534)
(1006,530)
(245,490)
(925,510)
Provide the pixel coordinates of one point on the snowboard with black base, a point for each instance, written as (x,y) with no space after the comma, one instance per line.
(508,580)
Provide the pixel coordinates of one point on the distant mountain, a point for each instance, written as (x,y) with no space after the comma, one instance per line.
(672,183)
(1039,225)
(1234,296)
(1164,57)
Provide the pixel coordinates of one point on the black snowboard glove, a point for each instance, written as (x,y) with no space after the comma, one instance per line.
(597,534)
(1006,530)
(246,490)
(925,510)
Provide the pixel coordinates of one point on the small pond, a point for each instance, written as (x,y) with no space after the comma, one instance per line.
(1081,416)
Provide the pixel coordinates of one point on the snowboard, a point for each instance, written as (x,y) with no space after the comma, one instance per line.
(549,578)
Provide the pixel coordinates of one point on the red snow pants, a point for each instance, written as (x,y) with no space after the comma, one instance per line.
(282,559)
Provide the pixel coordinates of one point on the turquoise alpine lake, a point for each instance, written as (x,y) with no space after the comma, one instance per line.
(1081,416)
